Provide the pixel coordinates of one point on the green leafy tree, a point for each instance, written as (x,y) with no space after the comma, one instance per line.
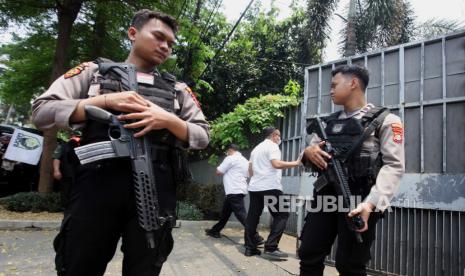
(261,56)
(31,11)
(373,24)
(316,30)
(29,66)
(250,118)
(436,27)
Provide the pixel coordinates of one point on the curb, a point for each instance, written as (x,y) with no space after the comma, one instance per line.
(29,224)
(6,224)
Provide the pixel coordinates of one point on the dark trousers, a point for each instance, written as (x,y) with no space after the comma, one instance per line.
(257,202)
(233,203)
(101,209)
(318,235)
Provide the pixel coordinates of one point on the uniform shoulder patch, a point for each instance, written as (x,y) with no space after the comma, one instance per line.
(398,132)
(192,94)
(76,70)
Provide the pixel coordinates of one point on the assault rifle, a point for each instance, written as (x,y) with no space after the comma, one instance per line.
(335,175)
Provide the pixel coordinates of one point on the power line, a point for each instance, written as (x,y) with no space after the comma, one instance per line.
(182,10)
(227,37)
(206,27)
(204,30)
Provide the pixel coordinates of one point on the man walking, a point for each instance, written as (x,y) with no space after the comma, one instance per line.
(235,171)
(265,167)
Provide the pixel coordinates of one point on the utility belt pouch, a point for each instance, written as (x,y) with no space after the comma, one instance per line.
(182,173)
(320,183)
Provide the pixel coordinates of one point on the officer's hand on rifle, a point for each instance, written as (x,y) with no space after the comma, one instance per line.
(317,156)
(364,209)
(128,101)
(153,117)
(114,101)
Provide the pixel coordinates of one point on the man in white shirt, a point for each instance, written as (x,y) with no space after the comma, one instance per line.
(234,169)
(265,167)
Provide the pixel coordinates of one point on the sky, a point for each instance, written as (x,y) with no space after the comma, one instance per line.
(424,9)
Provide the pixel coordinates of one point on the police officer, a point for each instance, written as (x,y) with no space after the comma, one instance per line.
(102,206)
(63,166)
(56,160)
(374,172)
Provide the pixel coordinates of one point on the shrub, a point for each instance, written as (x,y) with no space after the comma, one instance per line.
(187,211)
(34,202)
(244,124)
(207,197)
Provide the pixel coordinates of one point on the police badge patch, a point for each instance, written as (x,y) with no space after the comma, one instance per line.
(76,70)
(337,128)
(398,132)
(194,98)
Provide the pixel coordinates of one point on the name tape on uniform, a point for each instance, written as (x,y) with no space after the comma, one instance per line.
(145,78)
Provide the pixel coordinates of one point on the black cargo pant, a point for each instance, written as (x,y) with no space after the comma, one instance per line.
(233,203)
(257,202)
(101,209)
(318,235)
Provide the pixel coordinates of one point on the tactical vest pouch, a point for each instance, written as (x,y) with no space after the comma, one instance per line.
(341,133)
(161,92)
(182,173)
(320,183)
(362,166)
(366,165)
(347,136)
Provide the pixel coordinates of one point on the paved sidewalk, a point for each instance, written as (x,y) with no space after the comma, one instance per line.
(31,253)
(287,244)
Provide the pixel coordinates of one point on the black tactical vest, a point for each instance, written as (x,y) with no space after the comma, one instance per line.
(161,92)
(343,133)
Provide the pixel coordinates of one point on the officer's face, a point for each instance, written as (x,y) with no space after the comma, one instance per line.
(153,42)
(341,88)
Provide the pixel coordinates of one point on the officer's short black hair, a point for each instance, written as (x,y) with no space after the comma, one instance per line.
(268,131)
(357,71)
(141,17)
(233,147)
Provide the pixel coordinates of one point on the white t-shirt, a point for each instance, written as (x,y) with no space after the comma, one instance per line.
(235,170)
(265,177)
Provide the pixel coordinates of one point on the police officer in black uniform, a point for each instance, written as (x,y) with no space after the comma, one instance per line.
(102,204)
(64,160)
(374,170)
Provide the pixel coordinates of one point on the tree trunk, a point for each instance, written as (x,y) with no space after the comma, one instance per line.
(46,169)
(9,115)
(99,30)
(351,39)
(67,13)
